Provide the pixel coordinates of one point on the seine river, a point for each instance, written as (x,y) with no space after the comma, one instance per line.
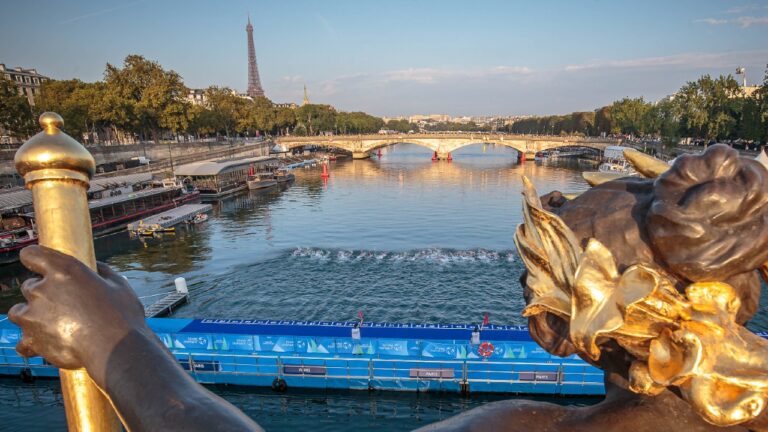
(400,238)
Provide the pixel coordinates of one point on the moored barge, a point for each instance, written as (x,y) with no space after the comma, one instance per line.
(113,203)
(344,355)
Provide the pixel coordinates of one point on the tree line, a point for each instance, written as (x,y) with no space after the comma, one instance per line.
(143,101)
(706,109)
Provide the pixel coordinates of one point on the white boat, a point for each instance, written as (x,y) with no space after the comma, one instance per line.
(614,162)
(198,218)
(261,181)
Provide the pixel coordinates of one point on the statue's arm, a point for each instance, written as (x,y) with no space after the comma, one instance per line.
(76,318)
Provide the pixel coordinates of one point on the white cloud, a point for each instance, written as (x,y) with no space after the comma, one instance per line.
(747,21)
(688,60)
(742,21)
(711,21)
(291,79)
(745,8)
(435,75)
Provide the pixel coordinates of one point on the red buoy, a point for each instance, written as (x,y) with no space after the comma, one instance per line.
(325,174)
(379,154)
(522,157)
(434,156)
(450,158)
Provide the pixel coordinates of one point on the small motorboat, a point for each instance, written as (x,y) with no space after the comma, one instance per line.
(261,181)
(283,175)
(198,218)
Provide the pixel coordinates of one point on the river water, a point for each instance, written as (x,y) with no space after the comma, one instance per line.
(400,238)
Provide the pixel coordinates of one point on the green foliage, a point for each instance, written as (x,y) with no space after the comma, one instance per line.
(631,116)
(317,118)
(146,97)
(456,127)
(357,123)
(15,113)
(80,104)
(578,123)
(708,108)
(402,126)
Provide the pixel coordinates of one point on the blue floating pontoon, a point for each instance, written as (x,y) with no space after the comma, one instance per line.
(406,357)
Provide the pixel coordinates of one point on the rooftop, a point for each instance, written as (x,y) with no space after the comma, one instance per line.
(212,168)
(15,198)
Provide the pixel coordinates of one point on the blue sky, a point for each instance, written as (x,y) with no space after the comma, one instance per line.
(393,57)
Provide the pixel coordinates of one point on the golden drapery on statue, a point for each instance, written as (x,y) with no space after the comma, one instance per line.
(685,338)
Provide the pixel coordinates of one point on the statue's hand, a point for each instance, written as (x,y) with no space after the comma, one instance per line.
(73,317)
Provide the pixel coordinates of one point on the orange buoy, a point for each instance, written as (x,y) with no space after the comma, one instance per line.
(325,174)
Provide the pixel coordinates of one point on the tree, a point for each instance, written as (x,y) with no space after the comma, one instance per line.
(709,107)
(226,107)
(604,123)
(403,126)
(65,98)
(202,121)
(631,115)
(15,113)
(285,120)
(357,123)
(149,98)
(317,118)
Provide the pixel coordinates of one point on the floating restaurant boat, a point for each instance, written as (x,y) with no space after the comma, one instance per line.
(341,355)
(220,178)
(113,202)
(17,233)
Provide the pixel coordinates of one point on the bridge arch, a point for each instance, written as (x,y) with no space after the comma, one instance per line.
(386,143)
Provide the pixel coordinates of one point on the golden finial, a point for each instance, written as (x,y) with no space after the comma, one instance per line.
(57,169)
(54,154)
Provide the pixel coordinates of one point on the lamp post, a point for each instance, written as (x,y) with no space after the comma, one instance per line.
(58,169)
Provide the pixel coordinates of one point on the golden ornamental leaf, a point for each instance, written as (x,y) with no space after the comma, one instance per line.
(550,252)
(595,310)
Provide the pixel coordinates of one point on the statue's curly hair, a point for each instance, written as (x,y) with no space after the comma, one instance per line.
(706,219)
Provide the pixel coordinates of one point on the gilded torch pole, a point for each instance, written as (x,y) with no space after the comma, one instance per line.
(58,169)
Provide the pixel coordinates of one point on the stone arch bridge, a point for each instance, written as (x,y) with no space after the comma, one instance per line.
(361,146)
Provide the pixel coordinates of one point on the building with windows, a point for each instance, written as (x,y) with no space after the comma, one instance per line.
(196,97)
(28,81)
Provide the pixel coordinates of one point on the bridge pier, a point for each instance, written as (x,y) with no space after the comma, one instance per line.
(361,155)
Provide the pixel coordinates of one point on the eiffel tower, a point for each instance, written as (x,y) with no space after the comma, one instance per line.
(254,83)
